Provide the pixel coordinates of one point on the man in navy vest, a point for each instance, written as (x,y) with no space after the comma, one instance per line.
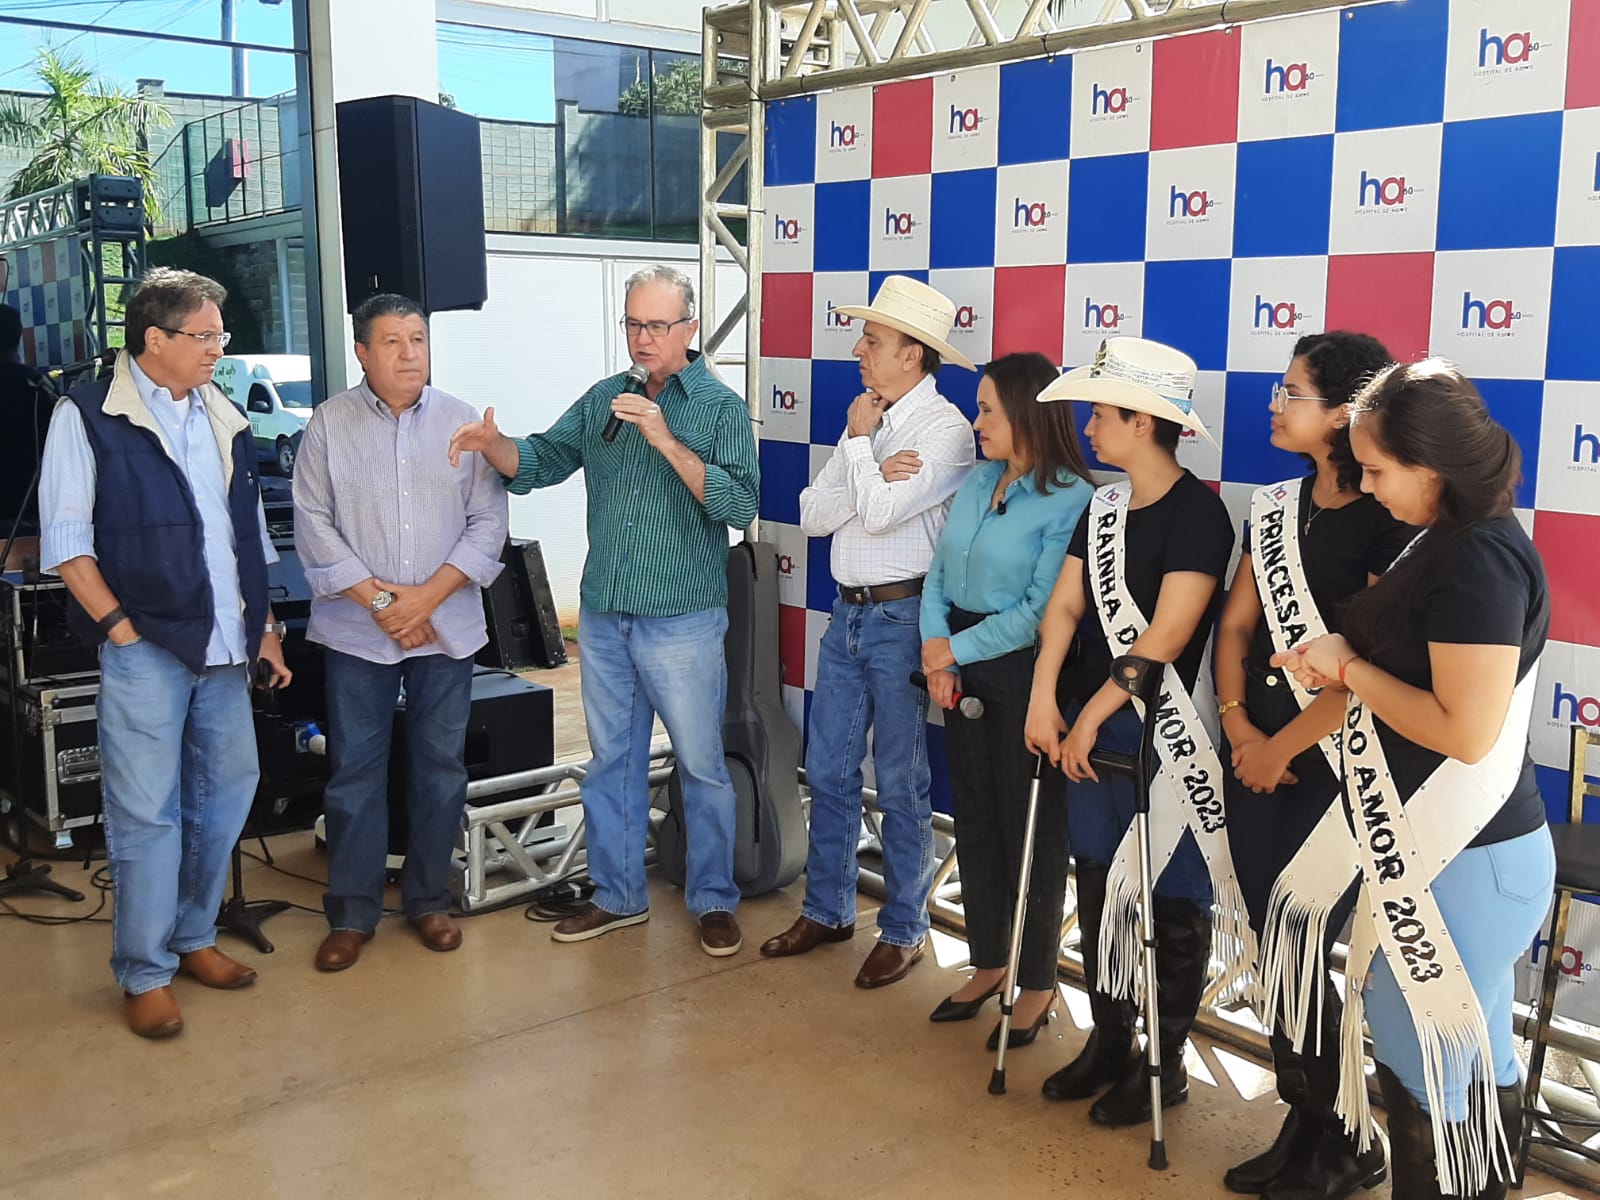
(151,515)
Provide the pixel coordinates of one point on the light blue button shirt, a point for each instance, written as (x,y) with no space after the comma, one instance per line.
(67,496)
(1003,564)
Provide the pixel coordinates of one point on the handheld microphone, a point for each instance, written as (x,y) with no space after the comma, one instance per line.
(968,706)
(634,384)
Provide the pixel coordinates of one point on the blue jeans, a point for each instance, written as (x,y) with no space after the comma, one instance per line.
(1493,899)
(863,681)
(178,768)
(1098,814)
(633,668)
(361,700)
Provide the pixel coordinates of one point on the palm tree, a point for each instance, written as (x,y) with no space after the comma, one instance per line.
(83,126)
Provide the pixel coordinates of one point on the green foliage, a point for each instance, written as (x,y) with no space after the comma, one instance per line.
(676,92)
(84,126)
(190,252)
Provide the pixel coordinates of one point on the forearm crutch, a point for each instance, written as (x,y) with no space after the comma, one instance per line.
(1142,678)
(1009,989)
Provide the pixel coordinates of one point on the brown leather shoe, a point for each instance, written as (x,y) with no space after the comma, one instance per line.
(888,963)
(592,921)
(719,934)
(153,1014)
(438,931)
(805,934)
(215,969)
(340,949)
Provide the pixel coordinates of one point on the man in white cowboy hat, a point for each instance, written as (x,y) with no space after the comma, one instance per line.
(1143,576)
(883,495)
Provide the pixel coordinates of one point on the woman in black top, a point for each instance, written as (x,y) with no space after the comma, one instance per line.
(1282,781)
(1438,661)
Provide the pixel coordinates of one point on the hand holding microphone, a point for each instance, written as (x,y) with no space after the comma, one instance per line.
(968,706)
(633,385)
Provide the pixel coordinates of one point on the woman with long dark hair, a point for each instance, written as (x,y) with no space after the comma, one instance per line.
(1447,836)
(996,563)
(1321,541)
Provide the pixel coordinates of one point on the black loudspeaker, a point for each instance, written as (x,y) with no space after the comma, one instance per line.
(411,203)
(524,630)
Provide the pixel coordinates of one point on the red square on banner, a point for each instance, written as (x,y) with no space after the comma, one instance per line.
(1194,90)
(1566,542)
(792,644)
(1389,296)
(902,128)
(786,316)
(1029,308)
(1583,81)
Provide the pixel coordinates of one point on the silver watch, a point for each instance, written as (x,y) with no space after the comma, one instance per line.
(277,627)
(382,601)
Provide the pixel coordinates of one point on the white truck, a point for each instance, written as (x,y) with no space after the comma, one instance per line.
(274,392)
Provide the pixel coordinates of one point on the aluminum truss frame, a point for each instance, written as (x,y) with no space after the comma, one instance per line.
(756,51)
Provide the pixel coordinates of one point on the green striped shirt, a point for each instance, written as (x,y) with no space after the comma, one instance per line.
(654,550)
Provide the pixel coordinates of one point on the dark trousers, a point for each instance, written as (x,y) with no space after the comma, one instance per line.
(1264,833)
(361,700)
(991,772)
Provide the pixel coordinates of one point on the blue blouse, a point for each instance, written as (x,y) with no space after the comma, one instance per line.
(1004,564)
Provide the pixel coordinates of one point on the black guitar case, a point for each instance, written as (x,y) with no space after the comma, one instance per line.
(760,742)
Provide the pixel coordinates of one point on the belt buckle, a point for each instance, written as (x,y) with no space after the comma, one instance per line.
(867,593)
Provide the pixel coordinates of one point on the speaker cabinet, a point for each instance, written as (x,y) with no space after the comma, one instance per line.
(411,203)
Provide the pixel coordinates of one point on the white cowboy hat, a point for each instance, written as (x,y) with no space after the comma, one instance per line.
(916,310)
(1139,375)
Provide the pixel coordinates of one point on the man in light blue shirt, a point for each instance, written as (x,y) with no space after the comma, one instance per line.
(397,544)
(151,514)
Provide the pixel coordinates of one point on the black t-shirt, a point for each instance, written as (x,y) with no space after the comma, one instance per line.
(1487,589)
(26,403)
(1188,529)
(1343,548)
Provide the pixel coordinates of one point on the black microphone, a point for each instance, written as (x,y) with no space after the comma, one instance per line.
(968,706)
(1000,509)
(633,384)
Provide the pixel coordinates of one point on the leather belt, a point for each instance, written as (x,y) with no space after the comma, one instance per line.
(878,593)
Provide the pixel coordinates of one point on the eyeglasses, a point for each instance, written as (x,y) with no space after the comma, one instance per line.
(206,339)
(1281,395)
(658,329)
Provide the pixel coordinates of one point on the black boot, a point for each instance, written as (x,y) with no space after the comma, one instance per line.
(1183,960)
(1509,1100)
(1111,1045)
(1414,1173)
(1296,1139)
(1335,1168)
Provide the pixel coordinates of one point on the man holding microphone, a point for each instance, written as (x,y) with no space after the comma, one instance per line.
(662,496)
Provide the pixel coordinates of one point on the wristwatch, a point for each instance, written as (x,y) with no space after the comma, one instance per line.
(382,601)
(277,627)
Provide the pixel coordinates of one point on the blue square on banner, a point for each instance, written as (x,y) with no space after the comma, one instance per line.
(1574,348)
(833,385)
(1186,306)
(1555,788)
(960,386)
(1498,180)
(791,141)
(1516,404)
(1035,110)
(962,233)
(874,282)
(1105,209)
(1248,455)
(821,590)
(1285,192)
(785,470)
(843,229)
(1392,64)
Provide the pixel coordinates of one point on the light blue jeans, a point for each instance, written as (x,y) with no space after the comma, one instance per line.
(864,681)
(634,668)
(1493,899)
(178,769)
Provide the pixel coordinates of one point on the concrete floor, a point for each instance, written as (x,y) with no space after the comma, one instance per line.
(631,1066)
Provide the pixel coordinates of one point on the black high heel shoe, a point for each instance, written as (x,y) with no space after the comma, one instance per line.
(1020,1036)
(951,1009)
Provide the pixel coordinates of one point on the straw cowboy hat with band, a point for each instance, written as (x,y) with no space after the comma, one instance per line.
(1139,375)
(917,311)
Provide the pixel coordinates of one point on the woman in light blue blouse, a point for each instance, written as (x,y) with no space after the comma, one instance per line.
(995,566)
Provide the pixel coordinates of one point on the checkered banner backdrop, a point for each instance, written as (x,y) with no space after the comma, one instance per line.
(1427,172)
(46,287)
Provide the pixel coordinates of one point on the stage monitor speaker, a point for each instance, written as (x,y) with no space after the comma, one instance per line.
(411,203)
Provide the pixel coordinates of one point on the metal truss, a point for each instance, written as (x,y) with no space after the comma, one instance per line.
(40,217)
